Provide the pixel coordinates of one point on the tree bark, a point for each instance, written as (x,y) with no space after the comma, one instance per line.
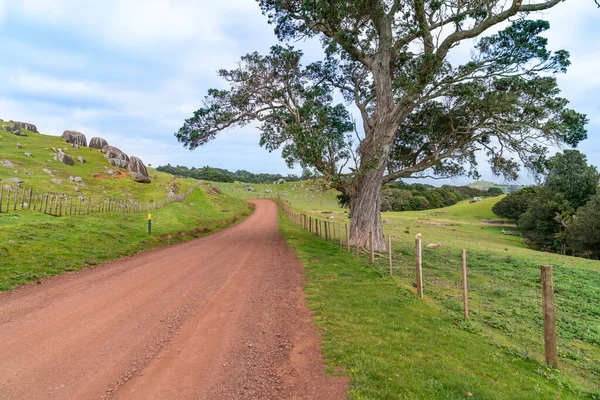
(365,212)
(365,202)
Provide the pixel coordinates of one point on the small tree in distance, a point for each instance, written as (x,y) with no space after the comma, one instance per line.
(514,204)
(420,115)
(495,191)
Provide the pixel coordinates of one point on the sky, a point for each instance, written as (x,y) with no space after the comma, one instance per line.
(132,71)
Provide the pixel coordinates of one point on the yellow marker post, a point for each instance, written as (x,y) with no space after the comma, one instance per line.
(149,224)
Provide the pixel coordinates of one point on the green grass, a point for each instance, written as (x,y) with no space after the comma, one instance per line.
(34,246)
(395,346)
(307,195)
(98,184)
(504,285)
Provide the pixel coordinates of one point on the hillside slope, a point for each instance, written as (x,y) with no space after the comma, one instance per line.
(34,246)
(95,182)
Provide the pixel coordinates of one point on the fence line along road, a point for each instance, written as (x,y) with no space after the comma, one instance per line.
(327,229)
(58,205)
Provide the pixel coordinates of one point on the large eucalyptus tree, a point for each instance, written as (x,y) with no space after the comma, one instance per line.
(421,114)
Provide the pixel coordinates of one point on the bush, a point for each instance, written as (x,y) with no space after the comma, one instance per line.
(583,233)
(495,191)
(514,204)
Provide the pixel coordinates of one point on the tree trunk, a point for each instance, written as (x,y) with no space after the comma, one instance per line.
(365,202)
(365,212)
(380,130)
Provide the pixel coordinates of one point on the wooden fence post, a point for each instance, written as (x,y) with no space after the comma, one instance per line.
(29,202)
(465,290)
(390,252)
(347,239)
(341,237)
(419,266)
(326,223)
(46,205)
(16,199)
(372,252)
(23,199)
(550,344)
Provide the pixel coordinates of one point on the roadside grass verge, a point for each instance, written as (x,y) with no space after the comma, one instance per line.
(35,246)
(395,346)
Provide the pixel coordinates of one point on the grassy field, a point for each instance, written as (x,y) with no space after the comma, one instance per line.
(395,346)
(98,184)
(505,328)
(34,246)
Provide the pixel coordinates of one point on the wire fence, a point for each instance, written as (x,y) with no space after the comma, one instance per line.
(512,297)
(14,199)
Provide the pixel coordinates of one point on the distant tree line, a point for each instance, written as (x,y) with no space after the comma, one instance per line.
(223,175)
(563,213)
(402,196)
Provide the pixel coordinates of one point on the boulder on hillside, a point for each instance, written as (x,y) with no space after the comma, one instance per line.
(17,128)
(98,143)
(65,159)
(26,125)
(113,152)
(81,160)
(138,177)
(14,130)
(74,137)
(7,164)
(119,163)
(138,171)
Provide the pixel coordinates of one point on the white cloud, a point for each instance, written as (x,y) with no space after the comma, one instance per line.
(133,23)
(42,56)
(2,10)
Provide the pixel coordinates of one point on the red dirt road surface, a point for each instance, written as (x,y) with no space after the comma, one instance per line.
(222,317)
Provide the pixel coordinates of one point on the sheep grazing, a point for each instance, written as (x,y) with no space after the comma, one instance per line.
(433,245)
(511,233)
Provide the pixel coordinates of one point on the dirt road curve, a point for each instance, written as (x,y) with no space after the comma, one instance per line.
(221,317)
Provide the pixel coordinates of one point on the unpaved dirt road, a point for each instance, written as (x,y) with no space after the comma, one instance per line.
(222,317)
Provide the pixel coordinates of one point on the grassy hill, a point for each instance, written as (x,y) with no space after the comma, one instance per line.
(98,183)
(485,185)
(35,246)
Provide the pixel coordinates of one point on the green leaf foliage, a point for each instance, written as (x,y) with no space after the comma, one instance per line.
(514,204)
(569,184)
(583,232)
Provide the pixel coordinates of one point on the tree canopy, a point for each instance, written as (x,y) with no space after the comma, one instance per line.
(583,232)
(514,204)
(569,184)
(421,115)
